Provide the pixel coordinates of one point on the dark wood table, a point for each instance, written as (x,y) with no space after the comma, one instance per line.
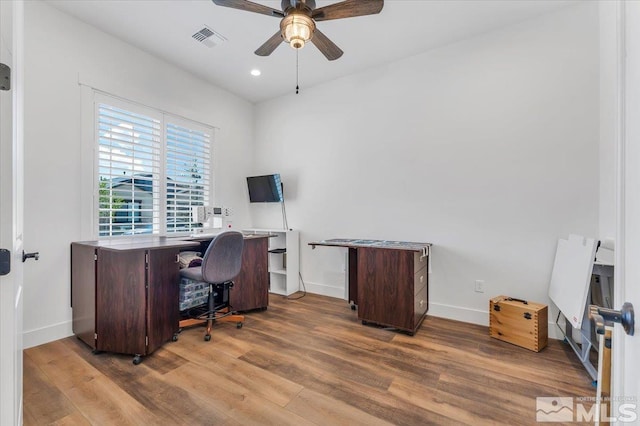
(388,280)
(125,292)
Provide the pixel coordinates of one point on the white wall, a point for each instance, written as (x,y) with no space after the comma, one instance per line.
(608,106)
(58,51)
(487,148)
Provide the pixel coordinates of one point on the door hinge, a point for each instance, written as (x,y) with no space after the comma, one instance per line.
(5,77)
(95,257)
(95,336)
(146,340)
(5,261)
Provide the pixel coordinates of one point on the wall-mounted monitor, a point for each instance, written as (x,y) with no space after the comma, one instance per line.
(265,189)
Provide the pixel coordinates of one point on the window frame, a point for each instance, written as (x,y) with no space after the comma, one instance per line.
(164,119)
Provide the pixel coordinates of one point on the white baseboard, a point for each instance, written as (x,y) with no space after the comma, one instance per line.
(324,290)
(458,313)
(40,336)
(555,332)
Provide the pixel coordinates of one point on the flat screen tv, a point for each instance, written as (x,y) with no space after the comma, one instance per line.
(265,189)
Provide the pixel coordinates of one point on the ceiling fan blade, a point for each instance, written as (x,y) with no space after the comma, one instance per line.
(250,7)
(348,9)
(326,46)
(270,45)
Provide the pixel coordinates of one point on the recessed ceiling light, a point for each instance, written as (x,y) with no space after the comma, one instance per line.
(255,72)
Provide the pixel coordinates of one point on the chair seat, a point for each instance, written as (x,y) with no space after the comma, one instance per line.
(194,273)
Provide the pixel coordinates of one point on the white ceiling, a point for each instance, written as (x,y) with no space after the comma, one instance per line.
(403,28)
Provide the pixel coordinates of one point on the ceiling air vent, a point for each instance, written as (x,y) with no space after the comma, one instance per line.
(208,37)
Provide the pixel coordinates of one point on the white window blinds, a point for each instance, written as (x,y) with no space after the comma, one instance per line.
(128,172)
(188,155)
(153,170)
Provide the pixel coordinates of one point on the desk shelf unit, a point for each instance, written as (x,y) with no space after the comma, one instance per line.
(284,259)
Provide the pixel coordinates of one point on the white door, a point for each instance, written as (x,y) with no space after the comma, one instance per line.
(626,349)
(11,13)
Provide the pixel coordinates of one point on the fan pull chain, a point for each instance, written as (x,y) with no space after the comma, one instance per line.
(297,71)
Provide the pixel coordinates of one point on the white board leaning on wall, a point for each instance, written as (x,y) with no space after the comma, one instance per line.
(571,276)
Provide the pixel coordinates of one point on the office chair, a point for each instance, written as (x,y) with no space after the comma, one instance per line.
(220,265)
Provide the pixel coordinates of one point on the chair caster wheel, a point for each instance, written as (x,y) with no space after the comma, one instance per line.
(353,307)
(207,337)
(365,322)
(137,360)
(174,338)
(239,325)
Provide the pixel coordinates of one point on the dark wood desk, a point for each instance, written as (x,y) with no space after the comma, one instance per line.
(388,281)
(125,292)
(251,287)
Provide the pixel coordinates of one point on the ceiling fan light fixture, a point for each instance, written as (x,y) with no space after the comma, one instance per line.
(297,29)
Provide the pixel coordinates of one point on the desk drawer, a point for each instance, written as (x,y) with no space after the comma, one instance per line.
(421,304)
(419,261)
(420,279)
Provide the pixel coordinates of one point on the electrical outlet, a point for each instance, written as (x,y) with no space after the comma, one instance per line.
(479,286)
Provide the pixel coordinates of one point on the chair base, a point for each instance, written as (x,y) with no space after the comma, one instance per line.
(222,315)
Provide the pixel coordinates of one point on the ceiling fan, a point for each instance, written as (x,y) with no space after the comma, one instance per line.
(299,17)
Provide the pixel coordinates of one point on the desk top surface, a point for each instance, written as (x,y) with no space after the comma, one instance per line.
(139,243)
(383,244)
(205,237)
(142,243)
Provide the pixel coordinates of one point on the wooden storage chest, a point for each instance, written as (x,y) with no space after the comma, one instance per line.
(518,322)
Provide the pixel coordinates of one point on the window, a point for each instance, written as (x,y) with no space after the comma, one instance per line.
(153,170)
(188,167)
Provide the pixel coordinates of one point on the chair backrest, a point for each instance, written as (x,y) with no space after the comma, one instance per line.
(223,258)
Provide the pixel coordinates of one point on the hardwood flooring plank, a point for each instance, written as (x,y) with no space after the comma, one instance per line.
(101,401)
(333,384)
(246,376)
(176,404)
(324,410)
(150,388)
(74,419)
(47,404)
(312,315)
(244,406)
(100,398)
(305,361)
(220,330)
(432,400)
(315,356)
(372,357)
(514,368)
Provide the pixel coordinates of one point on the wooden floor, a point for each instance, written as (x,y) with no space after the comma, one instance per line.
(303,362)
